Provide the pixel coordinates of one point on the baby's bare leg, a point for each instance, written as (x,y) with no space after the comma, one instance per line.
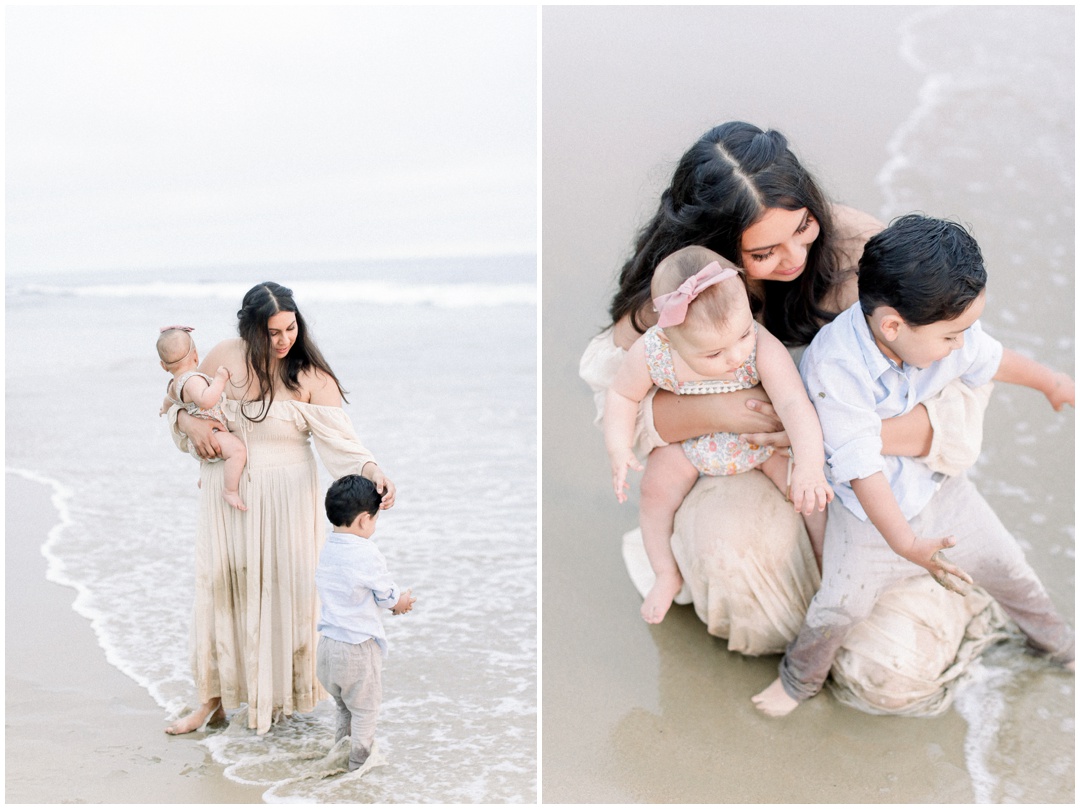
(234,454)
(669,477)
(775,468)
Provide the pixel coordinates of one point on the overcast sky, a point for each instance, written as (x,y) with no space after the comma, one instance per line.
(169,136)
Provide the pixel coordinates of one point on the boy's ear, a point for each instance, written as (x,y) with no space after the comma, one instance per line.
(889,321)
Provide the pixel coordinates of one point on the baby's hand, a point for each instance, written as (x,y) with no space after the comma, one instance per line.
(404,603)
(928,554)
(222,373)
(1063,393)
(621,460)
(810,491)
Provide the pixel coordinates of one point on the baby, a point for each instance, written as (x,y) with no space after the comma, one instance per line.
(202,397)
(915,329)
(706,341)
(354,588)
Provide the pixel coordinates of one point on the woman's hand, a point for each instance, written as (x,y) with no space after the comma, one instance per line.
(383,484)
(200,433)
(776,436)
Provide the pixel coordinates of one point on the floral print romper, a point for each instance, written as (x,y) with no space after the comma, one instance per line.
(715,453)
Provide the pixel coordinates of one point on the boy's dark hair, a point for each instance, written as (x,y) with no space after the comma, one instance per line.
(928,270)
(349,496)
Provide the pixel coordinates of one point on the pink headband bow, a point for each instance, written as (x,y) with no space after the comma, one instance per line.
(672,306)
(181,328)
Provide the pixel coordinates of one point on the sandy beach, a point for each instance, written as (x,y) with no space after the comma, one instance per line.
(77,729)
(638,713)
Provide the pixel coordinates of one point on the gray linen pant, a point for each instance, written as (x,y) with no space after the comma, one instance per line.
(352,673)
(859,565)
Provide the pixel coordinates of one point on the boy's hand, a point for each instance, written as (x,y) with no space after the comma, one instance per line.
(810,491)
(1063,392)
(621,460)
(929,554)
(404,603)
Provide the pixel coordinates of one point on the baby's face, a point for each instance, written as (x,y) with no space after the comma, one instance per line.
(716,351)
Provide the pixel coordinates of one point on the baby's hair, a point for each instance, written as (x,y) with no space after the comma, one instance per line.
(350,496)
(928,270)
(713,305)
(173,345)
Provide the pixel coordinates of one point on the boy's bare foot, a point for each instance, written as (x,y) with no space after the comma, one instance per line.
(233,499)
(209,713)
(774,700)
(663,592)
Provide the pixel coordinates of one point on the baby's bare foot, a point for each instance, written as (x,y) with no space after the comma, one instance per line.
(233,499)
(1071,666)
(659,599)
(209,714)
(774,700)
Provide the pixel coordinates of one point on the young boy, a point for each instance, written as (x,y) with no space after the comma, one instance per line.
(354,587)
(914,330)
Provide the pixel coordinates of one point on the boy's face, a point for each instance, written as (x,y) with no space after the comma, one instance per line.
(922,346)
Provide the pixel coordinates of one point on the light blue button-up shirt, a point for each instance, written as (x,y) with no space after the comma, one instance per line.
(354,588)
(854,386)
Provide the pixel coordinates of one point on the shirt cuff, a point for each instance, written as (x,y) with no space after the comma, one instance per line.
(857,459)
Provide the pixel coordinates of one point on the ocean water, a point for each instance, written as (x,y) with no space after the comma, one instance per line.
(439,361)
(991,143)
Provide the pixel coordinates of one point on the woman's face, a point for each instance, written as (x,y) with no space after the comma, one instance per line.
(282,329)
(776,246)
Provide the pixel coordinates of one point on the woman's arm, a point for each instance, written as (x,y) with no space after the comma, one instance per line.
(746,412)
(909,435)
(319,388)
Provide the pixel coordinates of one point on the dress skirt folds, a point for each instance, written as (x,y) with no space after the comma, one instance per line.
(254,636)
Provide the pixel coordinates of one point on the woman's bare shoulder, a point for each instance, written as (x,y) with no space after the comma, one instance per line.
(228,352)
(319,388)
(853,225)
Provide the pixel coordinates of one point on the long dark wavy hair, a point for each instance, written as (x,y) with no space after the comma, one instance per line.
(722,185)
(260,304)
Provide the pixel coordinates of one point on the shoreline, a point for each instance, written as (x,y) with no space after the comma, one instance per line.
(78,730)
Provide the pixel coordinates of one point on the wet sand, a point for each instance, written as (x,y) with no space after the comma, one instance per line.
(77,730)
(633,713)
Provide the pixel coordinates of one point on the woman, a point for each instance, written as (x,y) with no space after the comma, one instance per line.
(255,605)
(742,193)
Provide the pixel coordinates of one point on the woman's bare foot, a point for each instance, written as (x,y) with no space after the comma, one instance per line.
(663,592)
(208,713)
(233,499)
(774,700)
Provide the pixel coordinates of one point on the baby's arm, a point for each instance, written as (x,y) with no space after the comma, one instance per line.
(781,380)
(206,395)
(877,499)
(1017,369)
(630,386)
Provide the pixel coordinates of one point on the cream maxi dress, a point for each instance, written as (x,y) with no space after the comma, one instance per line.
(254,633)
